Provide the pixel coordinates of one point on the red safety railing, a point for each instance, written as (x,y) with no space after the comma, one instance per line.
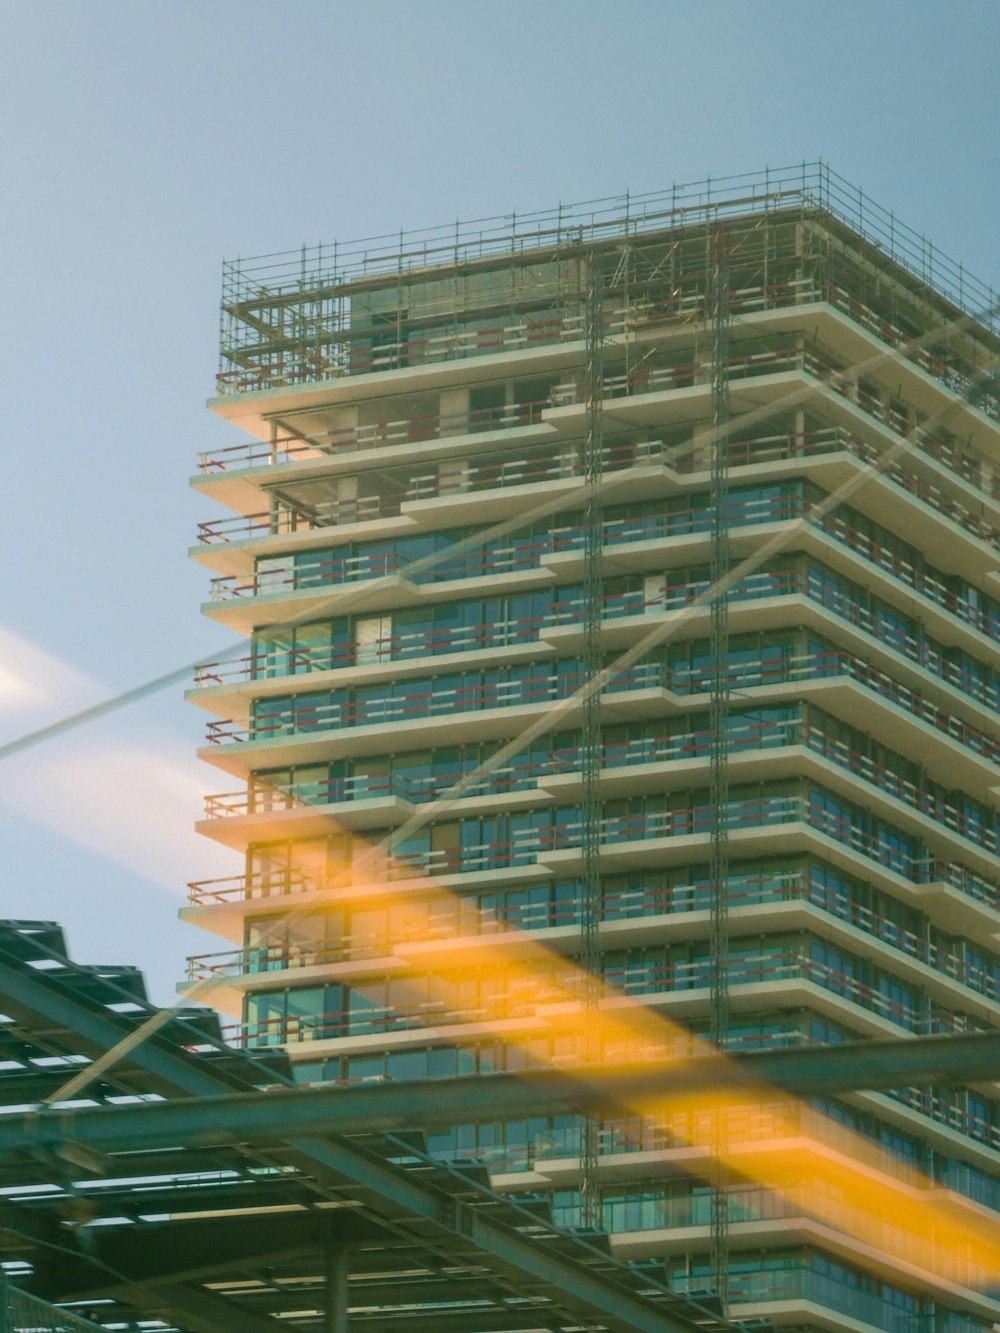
(941,1108)
(526,998)
(974,824)
(327,570)
(884,847)
(352,439)
(453,922)
(811,583)
(518,333)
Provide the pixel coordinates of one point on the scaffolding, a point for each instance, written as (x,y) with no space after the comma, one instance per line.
(593,541)
(508,283)
(719,727)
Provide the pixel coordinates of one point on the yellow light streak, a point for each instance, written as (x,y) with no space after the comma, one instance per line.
(854,1186)
(670,626)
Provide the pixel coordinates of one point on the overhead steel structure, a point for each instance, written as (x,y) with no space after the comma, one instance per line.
(216,1231)
(181,1195)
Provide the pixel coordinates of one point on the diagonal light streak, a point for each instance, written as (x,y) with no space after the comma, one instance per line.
(947,1235)
(671,625)
(661,633)
(821,1169)
(343,599)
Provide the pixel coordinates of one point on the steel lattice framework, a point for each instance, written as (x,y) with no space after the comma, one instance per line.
(328,1192)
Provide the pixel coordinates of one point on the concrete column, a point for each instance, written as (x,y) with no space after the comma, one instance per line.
(800,430)
(453,410)
(337,1269)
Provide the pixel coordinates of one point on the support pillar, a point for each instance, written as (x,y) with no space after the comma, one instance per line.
(335,1293)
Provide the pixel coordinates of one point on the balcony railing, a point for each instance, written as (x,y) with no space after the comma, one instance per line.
(973,825)
(527,999)
(287,517)
(379,435)
(699,820)
(866,1308)
(501,558)
(842,601)
(517,555)
(830,663)
(453,920)
(456,920)
(458,478)
(881,847)
(811,584)
(518,333)
(981,613)
(938,1106)
(535,470)
(751,1124)
(426,699)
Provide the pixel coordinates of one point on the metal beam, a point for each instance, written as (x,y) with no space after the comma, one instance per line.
(593,654)
(529,1261)
(201,1310)
(27,1227)
(28,997)
(204,1310)
(599,1296)
(718,298)
(432,1104)
(174,1252)
(415,1208)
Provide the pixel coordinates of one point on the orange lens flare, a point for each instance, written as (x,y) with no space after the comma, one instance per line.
(850,1193)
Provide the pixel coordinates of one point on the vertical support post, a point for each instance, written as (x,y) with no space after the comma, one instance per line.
(335,1289)
(337,346)
(225,319)
(719,717)
(590,914)
(318,312)
(6,1321)
(273,503)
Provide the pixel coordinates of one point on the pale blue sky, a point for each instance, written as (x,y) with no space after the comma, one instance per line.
(144,141)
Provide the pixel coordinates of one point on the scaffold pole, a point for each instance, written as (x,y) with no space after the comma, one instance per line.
(590,916)
(719,321)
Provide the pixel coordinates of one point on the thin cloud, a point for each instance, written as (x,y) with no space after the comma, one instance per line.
(132,797)
(33,682)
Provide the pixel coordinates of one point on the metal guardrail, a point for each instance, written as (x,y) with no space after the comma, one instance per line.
(969,821)
(308,296)
(970,676)
(20,1312)
(802,185)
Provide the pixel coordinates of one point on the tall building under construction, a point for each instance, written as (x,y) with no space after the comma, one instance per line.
(620,594)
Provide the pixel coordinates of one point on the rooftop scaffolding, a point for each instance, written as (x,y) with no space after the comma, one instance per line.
(443,293)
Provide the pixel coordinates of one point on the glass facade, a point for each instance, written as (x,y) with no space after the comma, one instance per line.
(411,744)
